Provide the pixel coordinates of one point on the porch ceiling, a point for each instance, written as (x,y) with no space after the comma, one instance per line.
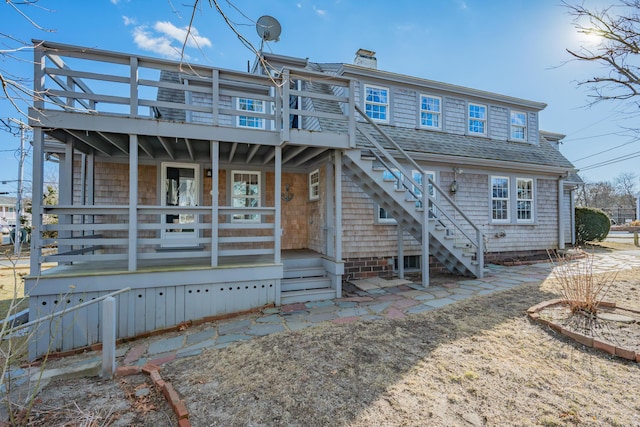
(116,146)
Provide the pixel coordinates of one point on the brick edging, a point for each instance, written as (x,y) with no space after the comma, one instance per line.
(625,353)
(171,396)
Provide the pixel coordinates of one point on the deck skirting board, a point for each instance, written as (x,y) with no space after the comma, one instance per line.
(143,309)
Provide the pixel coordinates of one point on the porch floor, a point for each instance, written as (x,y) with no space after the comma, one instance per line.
(159,265)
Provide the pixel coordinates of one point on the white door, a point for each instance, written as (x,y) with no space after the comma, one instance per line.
(180,187)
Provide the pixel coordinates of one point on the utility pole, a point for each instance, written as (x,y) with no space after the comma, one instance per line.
(17,236)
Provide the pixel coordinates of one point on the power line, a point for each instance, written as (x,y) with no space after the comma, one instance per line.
(608,149)
(612,161)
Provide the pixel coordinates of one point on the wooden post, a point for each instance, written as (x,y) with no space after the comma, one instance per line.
(285,131)
(425,229)
(36,208)
(133,87)
(215,165)
(133,202)
(108,337)
(561,214)
(400,252)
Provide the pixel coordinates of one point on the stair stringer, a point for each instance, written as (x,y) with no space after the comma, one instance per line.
(401,206)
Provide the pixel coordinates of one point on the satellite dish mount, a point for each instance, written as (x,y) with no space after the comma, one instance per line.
(268,29)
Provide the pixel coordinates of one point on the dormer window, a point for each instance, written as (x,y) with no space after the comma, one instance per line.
(518,126)
(376,103)
(477,119)
(430,112)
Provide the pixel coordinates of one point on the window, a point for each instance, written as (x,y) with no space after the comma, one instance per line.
(518,126)
(430,111)
(384,217)
(246,104)
(387,176)
(524,199)
(477,119)
(314,185)
(376,104)
(500,198)
(245,193)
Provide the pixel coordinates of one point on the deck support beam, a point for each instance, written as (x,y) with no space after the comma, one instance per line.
(425,229)
(133,202)
(338,215)
(36,191)
(561,214)
(278,215)
(215,165)
(400,252)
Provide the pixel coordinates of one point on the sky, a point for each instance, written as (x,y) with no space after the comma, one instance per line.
(511,47)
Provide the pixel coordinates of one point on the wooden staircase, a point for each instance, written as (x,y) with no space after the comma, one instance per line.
(453,239)
(305,279)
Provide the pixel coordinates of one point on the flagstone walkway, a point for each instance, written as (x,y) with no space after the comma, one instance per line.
(378,303)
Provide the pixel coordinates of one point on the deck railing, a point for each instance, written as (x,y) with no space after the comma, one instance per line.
(92,81)
(100,233)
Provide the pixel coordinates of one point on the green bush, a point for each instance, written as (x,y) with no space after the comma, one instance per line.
(592,225)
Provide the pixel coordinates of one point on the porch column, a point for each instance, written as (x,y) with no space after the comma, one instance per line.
(36,209)
(561,214)
(425,229)
(65,195)
(278,205)
(215,164)
(400,252)
(133,202)
(338,195)
(330,249)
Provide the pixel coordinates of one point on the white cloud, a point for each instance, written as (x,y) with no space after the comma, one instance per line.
(115,1)
(128,21)
(166,39)
(160,45)
(179,34)
(320,12)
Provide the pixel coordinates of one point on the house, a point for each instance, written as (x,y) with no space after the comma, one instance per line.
(212,191)
(7,211)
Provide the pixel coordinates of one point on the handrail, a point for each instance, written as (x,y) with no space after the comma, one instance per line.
(477,241)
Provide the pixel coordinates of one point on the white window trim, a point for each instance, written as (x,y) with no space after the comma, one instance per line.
(261,119)
(485,120)
(532,200)
(259,197)
(365,102)
(379,220)
(512,126)
(508,199)
(315,185)
(439,113)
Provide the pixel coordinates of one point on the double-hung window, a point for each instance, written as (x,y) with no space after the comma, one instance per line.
(417,177)
(477,119)
(389,176)
(500,199)
(252,105)
(518,126)
(430,112)
(524,199)
(314,185)
(245,193)
(376,103)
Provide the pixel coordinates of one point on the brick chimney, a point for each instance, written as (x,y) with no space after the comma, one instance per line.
(366,58)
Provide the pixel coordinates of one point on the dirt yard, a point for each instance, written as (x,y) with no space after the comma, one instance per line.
(479,362)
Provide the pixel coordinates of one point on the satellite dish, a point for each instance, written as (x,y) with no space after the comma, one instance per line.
(268,28)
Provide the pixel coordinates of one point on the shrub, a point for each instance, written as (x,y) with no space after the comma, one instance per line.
(592,225)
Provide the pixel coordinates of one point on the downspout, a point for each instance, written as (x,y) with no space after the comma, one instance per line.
(561,243)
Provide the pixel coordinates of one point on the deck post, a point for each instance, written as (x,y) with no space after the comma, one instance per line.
(133,202)
(352,114)
(65,178)
(561,214)
(425,229)
(277,231)
(338,217)
(400,252)
(329,225)
(133,87)
(108,337)
(36,191)
(285,128)
(215,164)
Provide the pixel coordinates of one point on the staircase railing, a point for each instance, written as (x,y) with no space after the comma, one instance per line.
(447,210)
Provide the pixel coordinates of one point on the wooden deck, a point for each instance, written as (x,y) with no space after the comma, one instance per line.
(166,265)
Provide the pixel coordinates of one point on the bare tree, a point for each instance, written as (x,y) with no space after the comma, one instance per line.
(625,185)
(617,31)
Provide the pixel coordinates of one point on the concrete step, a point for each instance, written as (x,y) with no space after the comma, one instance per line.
(304,283)
(307,295)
